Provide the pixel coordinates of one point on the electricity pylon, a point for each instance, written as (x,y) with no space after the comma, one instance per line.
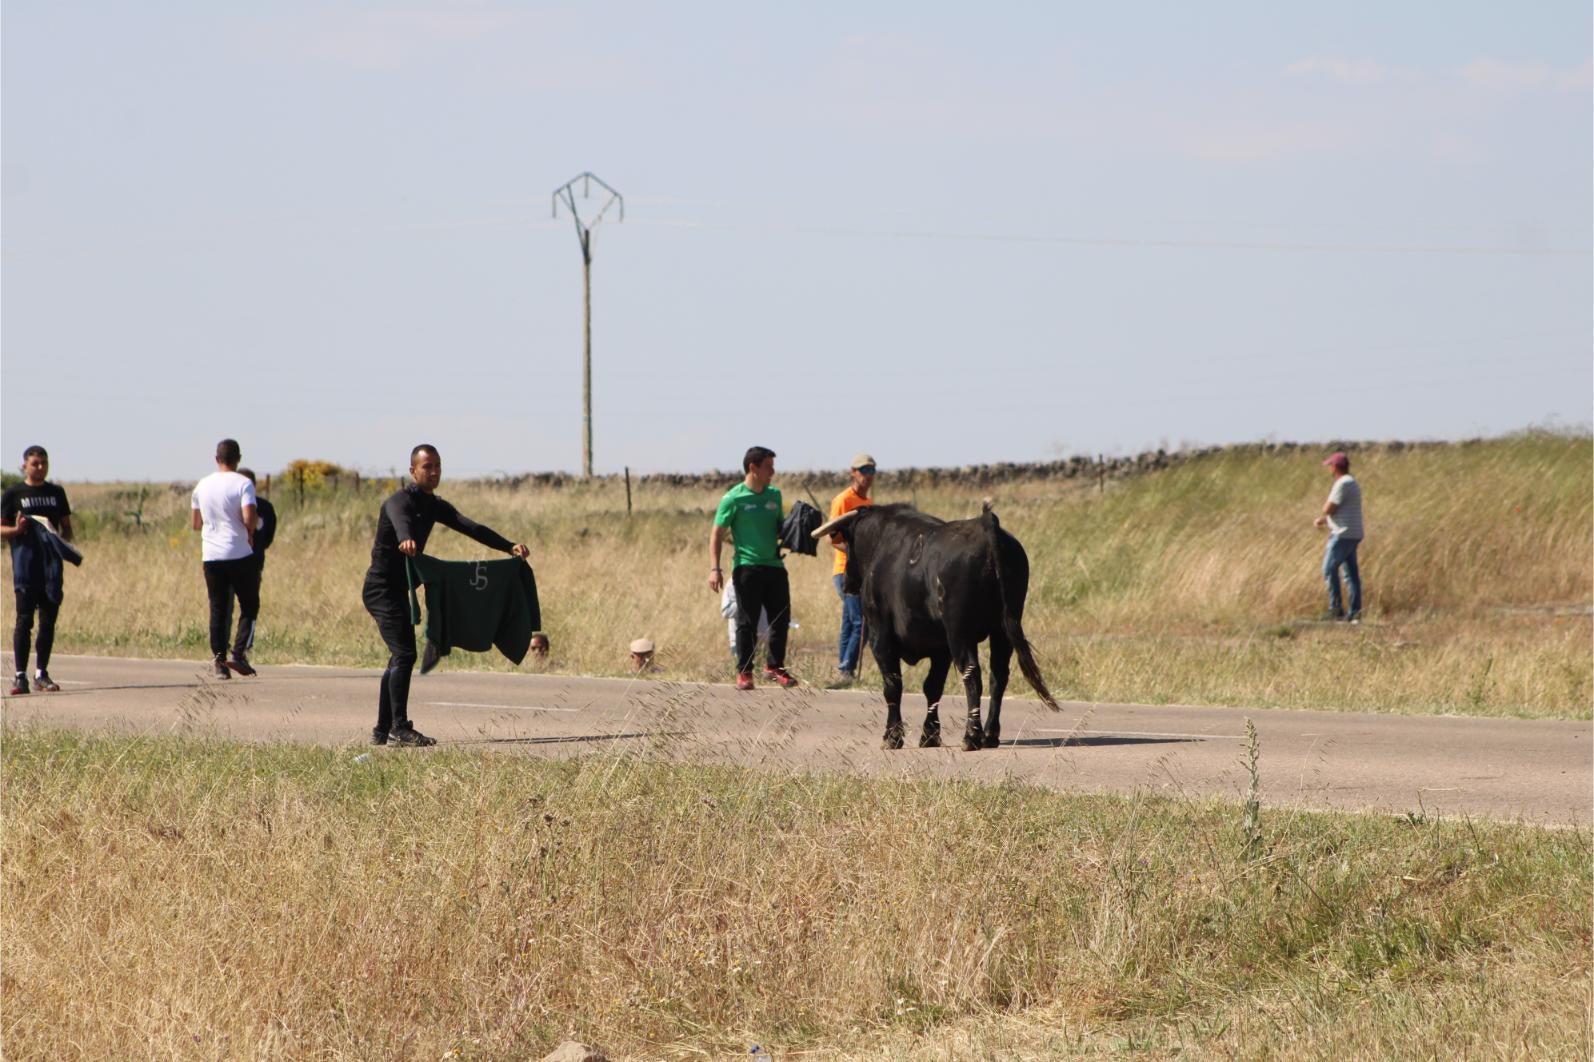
(566,193)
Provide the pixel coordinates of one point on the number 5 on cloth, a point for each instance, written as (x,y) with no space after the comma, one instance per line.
(474,605)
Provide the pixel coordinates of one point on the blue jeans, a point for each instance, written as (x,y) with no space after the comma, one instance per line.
(1341,554)
(851,629)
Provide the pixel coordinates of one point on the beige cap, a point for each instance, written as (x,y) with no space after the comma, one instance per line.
(642,645)
(860,459)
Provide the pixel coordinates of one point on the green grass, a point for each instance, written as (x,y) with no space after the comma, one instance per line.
(198,899)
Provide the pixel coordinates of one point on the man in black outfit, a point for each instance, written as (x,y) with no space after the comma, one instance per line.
(403,525)
(265,523)
(36,592)
(265,532)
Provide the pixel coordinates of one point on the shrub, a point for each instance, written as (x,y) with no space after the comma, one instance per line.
(312,475)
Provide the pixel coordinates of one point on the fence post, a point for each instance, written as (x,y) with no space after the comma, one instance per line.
(628,490)
(1101,474)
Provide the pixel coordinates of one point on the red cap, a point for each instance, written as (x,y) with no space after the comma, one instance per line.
(1337,459)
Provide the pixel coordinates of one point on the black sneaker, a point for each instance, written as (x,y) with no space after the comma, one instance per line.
(219,669)
(240,664)
(44,683)
(19,685)
(409,737)
(378,736)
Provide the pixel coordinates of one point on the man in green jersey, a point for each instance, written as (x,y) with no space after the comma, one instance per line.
(751,513)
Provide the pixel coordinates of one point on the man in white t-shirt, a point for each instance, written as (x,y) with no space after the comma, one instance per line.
(224,513)
(1342,515)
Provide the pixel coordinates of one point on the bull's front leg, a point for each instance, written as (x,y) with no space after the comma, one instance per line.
(968,663)
(934,683)
(892,680)
(884,650)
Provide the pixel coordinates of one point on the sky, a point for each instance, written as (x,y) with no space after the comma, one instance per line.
(942,234)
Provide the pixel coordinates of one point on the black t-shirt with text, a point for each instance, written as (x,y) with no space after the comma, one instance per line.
(46,500)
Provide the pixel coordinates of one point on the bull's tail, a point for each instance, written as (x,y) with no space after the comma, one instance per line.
(1010,616)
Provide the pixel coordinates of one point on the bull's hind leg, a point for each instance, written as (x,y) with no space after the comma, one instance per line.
(1001,658)
(934,683)
(968,663)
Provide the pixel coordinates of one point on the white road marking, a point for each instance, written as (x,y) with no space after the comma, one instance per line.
(500,707)
(1144,733)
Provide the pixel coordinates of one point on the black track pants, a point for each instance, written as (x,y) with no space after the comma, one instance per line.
(761,588)
(29,601)
(225,580)
(391,610)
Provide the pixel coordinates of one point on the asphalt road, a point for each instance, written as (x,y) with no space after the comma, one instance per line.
(1508,769)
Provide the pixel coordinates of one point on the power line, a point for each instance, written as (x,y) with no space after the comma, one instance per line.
(1126,242)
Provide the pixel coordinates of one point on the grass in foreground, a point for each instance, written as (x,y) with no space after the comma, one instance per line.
(186,898)
(1185,586)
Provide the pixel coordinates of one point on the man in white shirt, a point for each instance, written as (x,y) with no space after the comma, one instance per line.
(1342,515)
(224,512)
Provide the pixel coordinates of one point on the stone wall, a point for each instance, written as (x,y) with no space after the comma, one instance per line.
(1089,468)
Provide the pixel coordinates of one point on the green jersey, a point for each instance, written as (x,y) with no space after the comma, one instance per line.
(754,520)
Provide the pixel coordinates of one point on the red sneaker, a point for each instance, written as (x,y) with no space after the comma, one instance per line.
(786,679)
(744,681)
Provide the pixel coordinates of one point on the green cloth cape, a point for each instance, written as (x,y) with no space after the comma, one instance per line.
(476,605)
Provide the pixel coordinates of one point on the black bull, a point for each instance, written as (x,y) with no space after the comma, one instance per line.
(935,590)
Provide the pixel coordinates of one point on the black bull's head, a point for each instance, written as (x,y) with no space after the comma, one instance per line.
(933,589)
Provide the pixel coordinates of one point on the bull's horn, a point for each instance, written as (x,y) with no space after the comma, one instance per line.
(830,526)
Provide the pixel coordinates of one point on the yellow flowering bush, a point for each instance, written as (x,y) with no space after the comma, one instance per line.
(312,475)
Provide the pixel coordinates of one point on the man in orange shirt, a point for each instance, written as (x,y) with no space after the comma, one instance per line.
(857,494)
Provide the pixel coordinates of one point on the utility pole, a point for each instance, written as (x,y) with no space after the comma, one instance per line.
(566,194)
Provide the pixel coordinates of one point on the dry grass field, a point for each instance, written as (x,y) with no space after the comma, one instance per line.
(180,898)
(1187,585)
(188,898)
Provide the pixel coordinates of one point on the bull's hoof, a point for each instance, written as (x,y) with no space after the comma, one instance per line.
(973,741)
(893,738)
(993,738)
(930,737)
